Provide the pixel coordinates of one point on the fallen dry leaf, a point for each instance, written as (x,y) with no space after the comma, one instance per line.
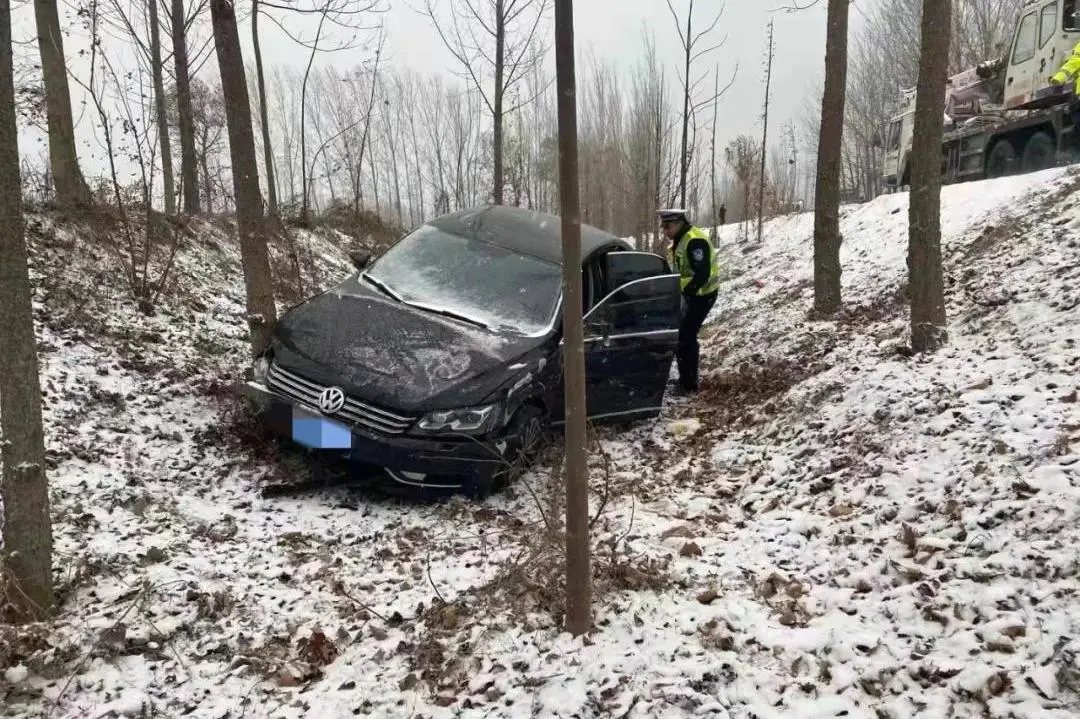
(841,510)
(997,684)
(317,650)
(690,549)
(909,538)
(708,596)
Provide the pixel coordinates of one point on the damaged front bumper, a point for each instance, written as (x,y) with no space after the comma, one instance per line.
(422,462)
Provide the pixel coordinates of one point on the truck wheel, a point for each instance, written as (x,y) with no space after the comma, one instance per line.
(1039,152)
(1001,159)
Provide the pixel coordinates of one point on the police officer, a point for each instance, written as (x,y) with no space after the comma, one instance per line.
(694,258)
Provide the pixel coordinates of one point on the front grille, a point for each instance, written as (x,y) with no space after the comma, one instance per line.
(353,412)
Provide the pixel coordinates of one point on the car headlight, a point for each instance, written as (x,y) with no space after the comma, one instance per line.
(260,369)
(467,420)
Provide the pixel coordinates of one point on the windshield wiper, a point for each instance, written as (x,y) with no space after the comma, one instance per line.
(384,288)
(450,313)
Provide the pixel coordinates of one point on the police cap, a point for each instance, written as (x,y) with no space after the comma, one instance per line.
(672,214)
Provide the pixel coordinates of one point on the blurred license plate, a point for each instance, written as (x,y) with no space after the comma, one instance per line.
(317,432)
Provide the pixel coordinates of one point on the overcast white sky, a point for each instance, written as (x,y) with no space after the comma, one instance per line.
(612,28)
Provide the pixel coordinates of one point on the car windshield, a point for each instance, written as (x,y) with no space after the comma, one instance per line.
(474,280)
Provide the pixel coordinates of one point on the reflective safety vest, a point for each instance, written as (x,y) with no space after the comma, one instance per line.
(1070,70)
(681,262)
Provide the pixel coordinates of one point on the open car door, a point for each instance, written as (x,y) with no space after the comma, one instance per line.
(630,337)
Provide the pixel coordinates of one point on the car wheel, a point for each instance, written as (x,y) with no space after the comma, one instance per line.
(525,439)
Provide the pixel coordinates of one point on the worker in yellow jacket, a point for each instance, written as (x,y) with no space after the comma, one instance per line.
(1070,70)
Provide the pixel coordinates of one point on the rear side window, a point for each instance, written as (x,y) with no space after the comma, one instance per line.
(1069,19)
(1024,48)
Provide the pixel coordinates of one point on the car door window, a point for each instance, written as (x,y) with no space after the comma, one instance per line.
(644,305)
(1048,25)
(623,267)
(1024,48)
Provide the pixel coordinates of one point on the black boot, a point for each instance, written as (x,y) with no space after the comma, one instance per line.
(682,390)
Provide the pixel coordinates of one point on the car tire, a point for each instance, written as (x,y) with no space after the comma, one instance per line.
(1039,152)
(525,437)
(1001,159)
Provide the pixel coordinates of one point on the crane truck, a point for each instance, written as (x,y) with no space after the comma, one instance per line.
(1003,116)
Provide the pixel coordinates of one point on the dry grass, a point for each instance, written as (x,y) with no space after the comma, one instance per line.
(529,588)
(993,236)
(747,395)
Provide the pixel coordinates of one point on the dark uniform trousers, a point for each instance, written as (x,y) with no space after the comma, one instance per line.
(696,309)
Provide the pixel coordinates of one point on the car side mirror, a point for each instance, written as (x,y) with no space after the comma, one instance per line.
(360,258)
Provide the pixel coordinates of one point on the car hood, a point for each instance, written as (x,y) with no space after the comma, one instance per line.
(392,354)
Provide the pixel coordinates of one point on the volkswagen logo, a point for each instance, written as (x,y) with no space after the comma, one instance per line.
(331,400)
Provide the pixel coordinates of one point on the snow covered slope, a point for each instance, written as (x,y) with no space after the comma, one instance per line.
(833,529)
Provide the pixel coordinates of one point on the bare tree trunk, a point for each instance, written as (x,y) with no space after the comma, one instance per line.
(370,114)
(189,171)
(712,145)
(830,152)
(168,180)
(416,155)
(390,142)
(497,101)
(510,55)
(262,312)
(27,557)
(208,186)
(305,203)
(659,157)
(72,192)
(264,114)
(578,570)
(684,159)
(927,284)
(374,179)
(764,139)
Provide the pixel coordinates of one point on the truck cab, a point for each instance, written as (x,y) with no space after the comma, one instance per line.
(1043,38)
(897,143)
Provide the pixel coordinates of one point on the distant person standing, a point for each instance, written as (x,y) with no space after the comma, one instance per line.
(722,219)
(695,260)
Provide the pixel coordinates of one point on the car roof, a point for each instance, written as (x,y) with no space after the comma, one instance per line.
(526,231)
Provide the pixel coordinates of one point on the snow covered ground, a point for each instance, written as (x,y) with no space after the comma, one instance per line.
(833,529)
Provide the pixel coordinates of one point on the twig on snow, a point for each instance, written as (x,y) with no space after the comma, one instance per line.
(135,602)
